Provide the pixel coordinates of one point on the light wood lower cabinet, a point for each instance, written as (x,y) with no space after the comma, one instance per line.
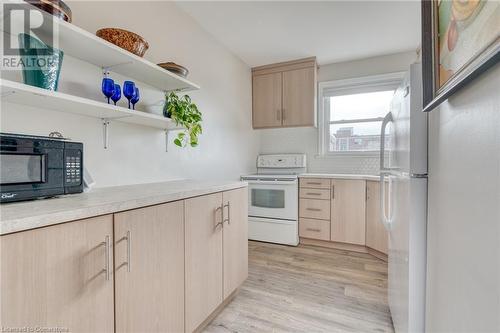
(348,211)
(163,268)
(235,239)
(216,251)
(376,234)
(315,193)
(203,218)
(149,269)
(59,276)
(314,229)
(354,208)
(314,209)
(316,183)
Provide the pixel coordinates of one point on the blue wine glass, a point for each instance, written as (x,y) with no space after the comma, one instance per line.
(135,98)
(128,90)
(108,87)
(117,93)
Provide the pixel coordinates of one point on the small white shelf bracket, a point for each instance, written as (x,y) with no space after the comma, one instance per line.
(166,140)
(167,91)
(106,69)
(7,93)
(105,125)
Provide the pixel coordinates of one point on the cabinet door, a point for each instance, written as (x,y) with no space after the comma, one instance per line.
(299,97)
(149,278)
(203,218)
(376,235)
(59,276)
(348,211)
(235,239)
(266,100)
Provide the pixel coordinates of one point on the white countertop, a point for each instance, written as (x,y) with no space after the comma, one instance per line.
(339,176)
(26,215)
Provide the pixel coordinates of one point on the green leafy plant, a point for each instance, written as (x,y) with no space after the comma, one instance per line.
(186,114)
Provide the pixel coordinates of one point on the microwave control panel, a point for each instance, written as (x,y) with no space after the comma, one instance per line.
(73,166)
(73,169)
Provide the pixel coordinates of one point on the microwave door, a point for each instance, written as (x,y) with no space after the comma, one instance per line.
(19,169)
(28,173)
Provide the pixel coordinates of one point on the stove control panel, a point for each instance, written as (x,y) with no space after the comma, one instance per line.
(282,161)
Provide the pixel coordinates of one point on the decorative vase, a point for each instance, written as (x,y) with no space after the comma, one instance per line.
(41,63)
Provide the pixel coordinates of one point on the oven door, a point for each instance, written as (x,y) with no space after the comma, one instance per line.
(273,199)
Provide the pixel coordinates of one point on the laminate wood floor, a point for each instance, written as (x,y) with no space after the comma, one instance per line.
(308,289)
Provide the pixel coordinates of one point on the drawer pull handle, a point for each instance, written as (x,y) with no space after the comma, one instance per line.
(313,183)
(221,223)
(313,193)
(313,229)
(107,253)
(129,249)
(314,209)
(228,205)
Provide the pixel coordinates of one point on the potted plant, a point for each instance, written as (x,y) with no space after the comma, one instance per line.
(186,114)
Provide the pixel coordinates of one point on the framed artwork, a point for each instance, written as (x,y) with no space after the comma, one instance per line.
(460,40)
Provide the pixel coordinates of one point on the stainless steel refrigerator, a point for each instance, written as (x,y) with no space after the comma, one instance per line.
(403,170)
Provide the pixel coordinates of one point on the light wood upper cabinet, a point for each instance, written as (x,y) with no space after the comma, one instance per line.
(266,100)
(348,211)
(284,94)
(299,96)
(376,234)
(149,261)
(59,276)
(235,239)
(203,257)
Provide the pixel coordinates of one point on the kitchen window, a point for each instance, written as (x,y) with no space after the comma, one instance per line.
(351,113)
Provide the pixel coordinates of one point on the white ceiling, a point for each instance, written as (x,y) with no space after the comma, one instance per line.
(263,32)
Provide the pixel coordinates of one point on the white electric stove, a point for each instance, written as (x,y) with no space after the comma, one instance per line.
(273,198)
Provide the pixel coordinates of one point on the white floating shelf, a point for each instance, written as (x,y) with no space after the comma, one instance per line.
(20,93)
(81,44)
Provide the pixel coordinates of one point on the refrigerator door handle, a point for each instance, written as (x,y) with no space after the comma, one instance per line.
(387,120)
(386,221)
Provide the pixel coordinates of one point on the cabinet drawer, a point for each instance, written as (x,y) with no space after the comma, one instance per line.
(315,182)
(315,229)
(314,209)
(314,193)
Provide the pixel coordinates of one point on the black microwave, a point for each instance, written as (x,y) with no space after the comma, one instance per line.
(34,167)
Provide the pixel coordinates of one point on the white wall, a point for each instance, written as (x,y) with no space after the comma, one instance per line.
(137,154)
(305,140)
(463,287)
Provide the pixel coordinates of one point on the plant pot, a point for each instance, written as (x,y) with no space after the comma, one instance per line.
(41,63)
(165,111)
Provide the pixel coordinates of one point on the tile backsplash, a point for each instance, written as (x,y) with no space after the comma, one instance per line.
(305,141)
(344,164)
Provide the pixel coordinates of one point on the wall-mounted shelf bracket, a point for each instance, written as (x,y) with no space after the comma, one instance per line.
(167,135)
(105,125)
(106,69)
(7,93)
(166,140)
(175,90)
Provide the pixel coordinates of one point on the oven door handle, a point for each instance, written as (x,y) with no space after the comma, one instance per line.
(271,182)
